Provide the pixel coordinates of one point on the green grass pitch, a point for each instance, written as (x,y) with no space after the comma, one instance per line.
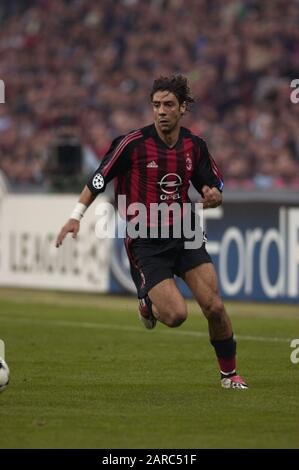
(85,374)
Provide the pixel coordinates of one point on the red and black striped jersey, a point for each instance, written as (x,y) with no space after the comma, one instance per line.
(147,171)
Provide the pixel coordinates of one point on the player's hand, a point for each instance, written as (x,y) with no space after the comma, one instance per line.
(72,226)
(211,197)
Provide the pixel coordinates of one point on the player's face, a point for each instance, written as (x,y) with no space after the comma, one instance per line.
(167,111)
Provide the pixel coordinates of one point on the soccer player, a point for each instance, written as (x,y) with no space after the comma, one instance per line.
(155,164)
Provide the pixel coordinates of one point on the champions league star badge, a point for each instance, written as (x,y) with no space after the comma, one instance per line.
(98,181)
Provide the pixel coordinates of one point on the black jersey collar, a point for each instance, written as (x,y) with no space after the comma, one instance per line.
(162,143)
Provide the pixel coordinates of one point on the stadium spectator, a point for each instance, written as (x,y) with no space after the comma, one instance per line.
(240,57)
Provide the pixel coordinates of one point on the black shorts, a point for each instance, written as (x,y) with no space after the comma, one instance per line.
(153,260)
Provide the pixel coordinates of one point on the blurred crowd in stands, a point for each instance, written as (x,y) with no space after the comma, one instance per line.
(82,71)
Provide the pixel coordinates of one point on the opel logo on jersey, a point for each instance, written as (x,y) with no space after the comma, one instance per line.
(170,185)
(98,181)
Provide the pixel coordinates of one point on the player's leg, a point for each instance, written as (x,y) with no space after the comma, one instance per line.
(196,268)
(163,302)
(169,306)
(203,283)
(152,272)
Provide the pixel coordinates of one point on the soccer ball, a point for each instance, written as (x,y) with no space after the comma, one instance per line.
(4,374)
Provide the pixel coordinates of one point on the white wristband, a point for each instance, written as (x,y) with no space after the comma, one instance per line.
(78,211)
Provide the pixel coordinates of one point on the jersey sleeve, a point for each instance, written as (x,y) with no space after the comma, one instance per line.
(116,161)
(206,172)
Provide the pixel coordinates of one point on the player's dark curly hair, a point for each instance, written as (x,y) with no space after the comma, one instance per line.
(176,84)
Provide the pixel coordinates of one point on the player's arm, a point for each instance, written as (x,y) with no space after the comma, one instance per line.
(73,224)
(207,178)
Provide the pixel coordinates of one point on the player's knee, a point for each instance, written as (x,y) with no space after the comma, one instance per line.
(215,310)
(175,319)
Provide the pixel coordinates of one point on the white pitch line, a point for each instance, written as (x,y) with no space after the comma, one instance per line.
(107,326)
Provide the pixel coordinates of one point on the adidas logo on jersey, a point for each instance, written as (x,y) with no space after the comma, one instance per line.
(152,164)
